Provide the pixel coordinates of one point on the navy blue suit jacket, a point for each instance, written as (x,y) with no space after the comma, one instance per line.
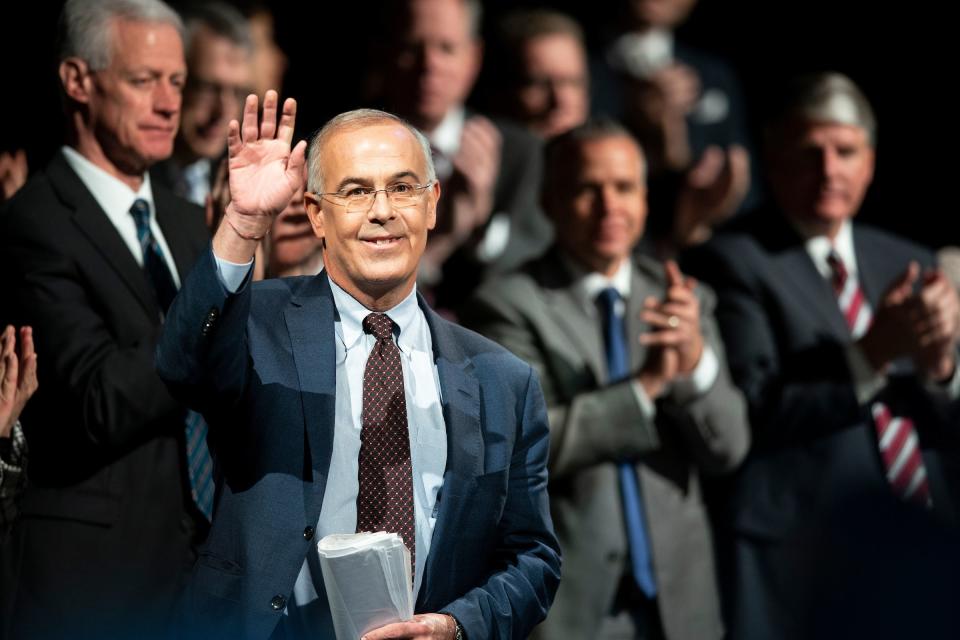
(815,525)
(260,365)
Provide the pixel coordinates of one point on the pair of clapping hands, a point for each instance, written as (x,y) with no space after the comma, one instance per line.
(674,341)
(18,376)
(919,318)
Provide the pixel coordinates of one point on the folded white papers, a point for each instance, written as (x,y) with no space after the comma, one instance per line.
(368,581)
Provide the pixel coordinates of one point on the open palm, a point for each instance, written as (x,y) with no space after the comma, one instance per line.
(264,172)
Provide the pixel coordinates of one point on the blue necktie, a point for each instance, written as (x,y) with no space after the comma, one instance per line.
(199,463)
(618,368)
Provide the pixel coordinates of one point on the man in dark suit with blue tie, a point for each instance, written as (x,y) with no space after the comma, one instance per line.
(327,393)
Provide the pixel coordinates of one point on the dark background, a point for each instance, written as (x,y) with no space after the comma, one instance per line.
(898,57)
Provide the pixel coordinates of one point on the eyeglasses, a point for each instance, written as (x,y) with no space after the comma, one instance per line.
(361,199)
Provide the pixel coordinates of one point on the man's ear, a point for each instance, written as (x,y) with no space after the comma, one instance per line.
(314,206)
(432,205)
(75,79)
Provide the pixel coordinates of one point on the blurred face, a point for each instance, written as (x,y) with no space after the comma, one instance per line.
(554,96)
(437,62)
(373,255)
(600,206)
(219,82)
(820,173)
(663,14)
(292,241)
(133,106)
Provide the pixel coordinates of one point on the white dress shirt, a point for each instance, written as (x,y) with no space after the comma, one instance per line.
(427,430)
(116,198)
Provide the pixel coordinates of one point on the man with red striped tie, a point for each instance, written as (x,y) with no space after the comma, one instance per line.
(844,341)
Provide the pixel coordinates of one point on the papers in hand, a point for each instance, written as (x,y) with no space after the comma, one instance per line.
(368,581)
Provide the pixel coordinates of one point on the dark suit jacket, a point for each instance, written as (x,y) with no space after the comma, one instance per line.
(517,201)
(261,365)
(105,528)
(798,550)
(594,425)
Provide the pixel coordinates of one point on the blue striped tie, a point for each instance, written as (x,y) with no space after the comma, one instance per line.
(200,465)
(618,368)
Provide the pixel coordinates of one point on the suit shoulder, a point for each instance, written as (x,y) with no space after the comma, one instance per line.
(887,243)
(488,356)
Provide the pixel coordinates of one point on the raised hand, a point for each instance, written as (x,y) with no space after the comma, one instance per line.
(18,376)
(263,172)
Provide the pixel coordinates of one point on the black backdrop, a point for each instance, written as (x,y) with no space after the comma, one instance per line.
(900,58)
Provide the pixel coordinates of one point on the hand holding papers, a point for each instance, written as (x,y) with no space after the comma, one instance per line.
(368,581)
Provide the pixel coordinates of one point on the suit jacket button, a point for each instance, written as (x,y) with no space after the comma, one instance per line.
(277,603)
(308,533)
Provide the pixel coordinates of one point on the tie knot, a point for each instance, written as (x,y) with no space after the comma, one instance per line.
(608,299)
(379,325)
(140,211)
(836,263)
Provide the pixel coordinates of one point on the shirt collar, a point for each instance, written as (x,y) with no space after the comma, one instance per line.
(112,194)
(587,285)
(352,313)
(446,137)
(819,247)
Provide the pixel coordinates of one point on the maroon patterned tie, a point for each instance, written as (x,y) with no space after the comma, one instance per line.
(896,435)
(385,499)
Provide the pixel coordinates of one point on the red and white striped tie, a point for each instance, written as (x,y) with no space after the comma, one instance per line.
(896,435)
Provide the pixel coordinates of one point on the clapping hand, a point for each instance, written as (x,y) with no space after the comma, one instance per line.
(18,376)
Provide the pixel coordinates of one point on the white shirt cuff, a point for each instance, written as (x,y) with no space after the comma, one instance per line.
(231,274)
(698,382)
(647,408)
(866,382)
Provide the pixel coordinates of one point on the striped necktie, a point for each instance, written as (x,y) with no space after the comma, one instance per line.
(896,435)
(199,462)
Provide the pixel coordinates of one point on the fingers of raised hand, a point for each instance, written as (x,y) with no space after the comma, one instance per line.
(288,120)
(249,129)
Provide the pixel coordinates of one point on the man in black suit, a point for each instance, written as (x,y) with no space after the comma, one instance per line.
(91,255)
(844,341)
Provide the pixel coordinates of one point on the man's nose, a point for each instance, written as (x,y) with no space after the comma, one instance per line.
(167,98)
(381,209)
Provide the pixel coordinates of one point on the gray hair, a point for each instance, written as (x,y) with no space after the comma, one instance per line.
(559,149)
(354,120)
(85,33)
(829,97)
(219,18)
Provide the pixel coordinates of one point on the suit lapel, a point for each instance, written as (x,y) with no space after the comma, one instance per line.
(96,226)
(874,273)
(310,323)
(460,391)
(641,287)
(806,283)
(581,330)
